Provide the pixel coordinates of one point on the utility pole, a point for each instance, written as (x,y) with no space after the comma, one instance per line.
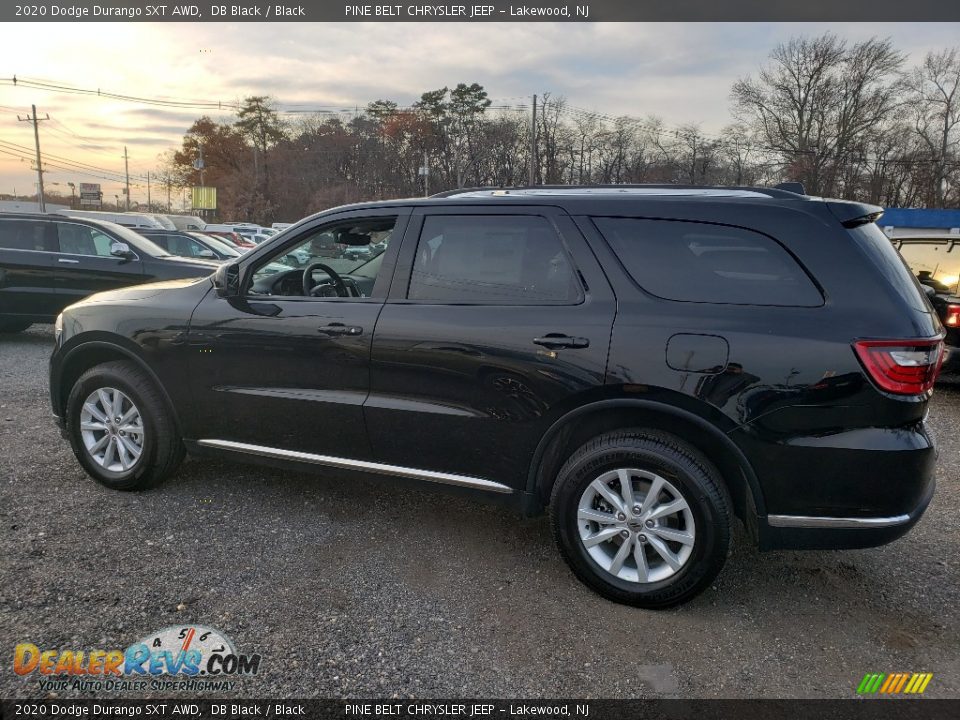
(148,191)
(426,175)
(126,169)
(36,137)
(533,144)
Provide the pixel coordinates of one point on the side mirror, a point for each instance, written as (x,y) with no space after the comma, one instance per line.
(226,280)
(207,253)
(121,250)
(929,290)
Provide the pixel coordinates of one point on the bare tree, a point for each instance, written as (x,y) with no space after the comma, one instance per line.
(814,101)
(934,98)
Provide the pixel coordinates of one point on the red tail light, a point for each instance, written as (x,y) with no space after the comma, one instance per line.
(952,318)
(902,367)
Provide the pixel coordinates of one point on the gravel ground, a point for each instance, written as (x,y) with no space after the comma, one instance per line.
(355,588)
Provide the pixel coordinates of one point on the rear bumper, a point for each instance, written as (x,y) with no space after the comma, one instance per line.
(803,532)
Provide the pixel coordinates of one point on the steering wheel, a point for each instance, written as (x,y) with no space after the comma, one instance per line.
(338,284)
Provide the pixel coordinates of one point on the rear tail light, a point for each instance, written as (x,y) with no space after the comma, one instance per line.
(952,318)
(902,367)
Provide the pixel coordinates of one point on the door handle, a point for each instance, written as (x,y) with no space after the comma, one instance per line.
(340,329)
(68,260)
(557,340)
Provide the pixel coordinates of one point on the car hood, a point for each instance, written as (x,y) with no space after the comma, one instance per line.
(141,292)
(193,262)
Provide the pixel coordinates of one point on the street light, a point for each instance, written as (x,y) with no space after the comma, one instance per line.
(73,195)
(117,198)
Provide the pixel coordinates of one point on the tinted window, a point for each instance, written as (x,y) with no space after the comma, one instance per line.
(701,262)
(883,255)
(182,245)
(492,259)
(24,235)
(936,264)
(83,240)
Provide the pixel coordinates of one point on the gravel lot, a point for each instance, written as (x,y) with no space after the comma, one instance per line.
(354,588)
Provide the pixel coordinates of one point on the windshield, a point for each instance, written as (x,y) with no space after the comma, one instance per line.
(217,244)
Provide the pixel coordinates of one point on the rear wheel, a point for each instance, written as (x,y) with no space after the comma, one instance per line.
(121,429)
(14,326)
(642,518)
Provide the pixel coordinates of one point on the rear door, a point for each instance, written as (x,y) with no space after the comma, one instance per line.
(27,268)
(498,321)
(85,266)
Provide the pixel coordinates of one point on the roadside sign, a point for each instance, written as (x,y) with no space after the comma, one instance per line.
(204,198)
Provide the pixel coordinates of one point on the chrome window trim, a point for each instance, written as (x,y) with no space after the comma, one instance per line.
(846,523)
(57,252)
(350,464)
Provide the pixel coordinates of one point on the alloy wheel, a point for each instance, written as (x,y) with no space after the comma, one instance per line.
(112,429)
(636,525)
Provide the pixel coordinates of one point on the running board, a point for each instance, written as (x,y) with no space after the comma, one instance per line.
(363,465)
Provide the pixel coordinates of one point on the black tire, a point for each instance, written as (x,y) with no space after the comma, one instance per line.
(667,456)
(14,326)
(163,448)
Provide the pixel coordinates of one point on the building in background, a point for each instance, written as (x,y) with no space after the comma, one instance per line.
(900,222)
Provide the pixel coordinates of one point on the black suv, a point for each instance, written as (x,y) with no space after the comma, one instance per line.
(49,261)
(647,363)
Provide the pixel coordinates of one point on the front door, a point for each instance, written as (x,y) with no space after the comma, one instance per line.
(498,322)
(285,367)
(84,265)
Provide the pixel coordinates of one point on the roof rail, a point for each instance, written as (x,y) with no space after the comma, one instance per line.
(775,192)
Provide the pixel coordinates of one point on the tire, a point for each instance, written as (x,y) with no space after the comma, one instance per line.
(161,448)
(14,326)
(696,537)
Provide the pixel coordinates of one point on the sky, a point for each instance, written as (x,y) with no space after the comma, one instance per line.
(680,71)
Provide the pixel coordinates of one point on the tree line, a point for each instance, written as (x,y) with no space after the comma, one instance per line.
(848,120)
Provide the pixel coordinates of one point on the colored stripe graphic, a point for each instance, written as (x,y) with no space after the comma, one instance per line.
(894,683)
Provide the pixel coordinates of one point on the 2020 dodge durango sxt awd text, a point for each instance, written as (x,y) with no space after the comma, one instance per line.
(646,363)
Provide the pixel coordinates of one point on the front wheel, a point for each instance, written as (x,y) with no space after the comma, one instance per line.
(642,518)
(121,429)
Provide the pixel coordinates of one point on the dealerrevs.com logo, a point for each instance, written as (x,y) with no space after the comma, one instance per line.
(175,658)
(894,683)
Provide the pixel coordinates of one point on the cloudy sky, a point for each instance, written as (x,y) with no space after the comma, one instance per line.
(682,72)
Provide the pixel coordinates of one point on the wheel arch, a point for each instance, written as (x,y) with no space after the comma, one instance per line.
(579,425)
(91,353)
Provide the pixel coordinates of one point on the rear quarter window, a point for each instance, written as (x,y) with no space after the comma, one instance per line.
(884,256)
(707,263)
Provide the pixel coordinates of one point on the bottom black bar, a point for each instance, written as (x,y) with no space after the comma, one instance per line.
(854,709)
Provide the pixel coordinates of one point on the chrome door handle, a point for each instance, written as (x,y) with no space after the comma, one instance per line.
(68,260)
(556,340)
(341,329)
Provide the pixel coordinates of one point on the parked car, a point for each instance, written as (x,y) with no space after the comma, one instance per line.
(126,219)
(164,222)
(49,261)
(186,222)
(185,244)
(227,231)
(255,235)
(219,245)
(648,363)
(936,263)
